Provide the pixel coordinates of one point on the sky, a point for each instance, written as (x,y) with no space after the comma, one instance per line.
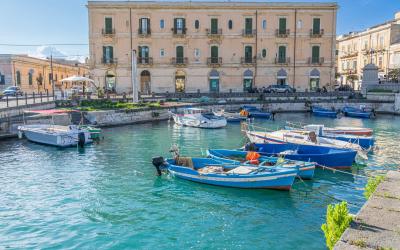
(46,22)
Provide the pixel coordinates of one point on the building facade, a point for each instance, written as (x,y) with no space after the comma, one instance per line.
(211,46)
(377,45)
(34,74)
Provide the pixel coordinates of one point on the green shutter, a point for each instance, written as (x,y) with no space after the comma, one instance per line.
(214,26)
(315,54)
(140,51)
(108,25)
(183,24)
(104,53)
(248,53)
(316,25)
(175,24)
(282,25)
(248,25)
(179,52)
(111,53)
(282,54)
(214,52)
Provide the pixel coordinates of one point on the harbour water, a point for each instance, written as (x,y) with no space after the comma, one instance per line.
(107,196)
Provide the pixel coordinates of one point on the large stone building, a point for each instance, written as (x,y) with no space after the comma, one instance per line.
(34,74)
(378,45)
(212,46)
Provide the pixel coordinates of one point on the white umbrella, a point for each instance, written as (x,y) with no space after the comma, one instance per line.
(77,79)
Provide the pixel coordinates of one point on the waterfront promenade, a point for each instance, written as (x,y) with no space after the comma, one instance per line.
(377,225)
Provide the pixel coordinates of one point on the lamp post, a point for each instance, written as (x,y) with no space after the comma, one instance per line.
(135,97)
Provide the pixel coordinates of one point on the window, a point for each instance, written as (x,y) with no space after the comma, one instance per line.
(315,54)
(108,25)
(179,54)
(162,52)
(197,53)
(162,24)
(264,53)
(248,54)
(143,56)
(365,45)
(316,25)
(214,26)
(30,77)
(144,26)
(18,77)
(282,25)
(299,24)
(248,25)
(214,54)
(196,24)
(381,41)
(108,54)
(282,54)
(230,24)
(355,65)
(50,77)
(2,80)
(179,26)
(264,24)
(380,62)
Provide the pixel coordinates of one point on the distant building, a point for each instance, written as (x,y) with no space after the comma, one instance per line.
(378,45)
(211,46)
(34,74)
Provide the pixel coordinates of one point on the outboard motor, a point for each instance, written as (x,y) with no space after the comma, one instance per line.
(158,162)
(81,139)
(251,147)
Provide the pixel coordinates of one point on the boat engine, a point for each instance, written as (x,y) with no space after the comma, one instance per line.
(158,162)
(81,139)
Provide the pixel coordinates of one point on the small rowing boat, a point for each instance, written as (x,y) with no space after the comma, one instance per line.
(230,116)
(254,112)
(213,172)
(319,111)
(199,118)
(358,112)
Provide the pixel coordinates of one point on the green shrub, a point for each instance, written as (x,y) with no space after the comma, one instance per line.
(337,220)
(373,182)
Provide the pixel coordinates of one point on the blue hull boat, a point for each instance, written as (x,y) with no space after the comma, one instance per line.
(318,111)
(323,156)
(214,172)
(254,112)
(305,170)
(366,142)
(358,113)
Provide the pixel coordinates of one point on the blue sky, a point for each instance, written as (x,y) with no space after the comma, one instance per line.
(65,21)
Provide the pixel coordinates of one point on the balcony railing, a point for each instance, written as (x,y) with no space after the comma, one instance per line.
(178,31)
(144,32)
(282,33)
(316,33)
(108,32)
(145,60)
(282,60)
(315,60)
(350,54)
(249,32)
(179,61)
(214,61)
(248,60)
(214,33)
(109,60)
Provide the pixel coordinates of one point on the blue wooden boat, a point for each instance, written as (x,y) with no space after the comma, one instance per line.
(305,170)
(318,111)
(366,142)
(254,112)
(322,155)
(214,172)
(358,113)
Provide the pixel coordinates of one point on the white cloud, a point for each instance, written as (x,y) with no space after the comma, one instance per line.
(44,52)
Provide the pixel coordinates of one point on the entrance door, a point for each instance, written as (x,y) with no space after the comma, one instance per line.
(214,85)
(314,84)
(180,80)
(110,83)
(281,81)
(145,82)
(247,84)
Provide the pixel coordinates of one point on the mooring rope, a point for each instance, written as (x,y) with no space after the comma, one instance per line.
(341,171)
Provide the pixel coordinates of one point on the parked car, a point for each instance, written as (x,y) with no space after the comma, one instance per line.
(280,89)
(13,91)
(344,87)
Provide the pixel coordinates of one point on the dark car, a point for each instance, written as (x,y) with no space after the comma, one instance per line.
(280,89)
(344,87)
(12,91)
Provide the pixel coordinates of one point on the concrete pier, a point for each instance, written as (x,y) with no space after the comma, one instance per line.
(377,225)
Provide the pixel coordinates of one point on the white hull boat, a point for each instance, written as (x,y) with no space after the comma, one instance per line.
(55,135)
(199,118)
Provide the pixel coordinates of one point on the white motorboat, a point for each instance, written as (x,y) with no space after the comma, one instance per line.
(230,116)
(56,135)
(200,118)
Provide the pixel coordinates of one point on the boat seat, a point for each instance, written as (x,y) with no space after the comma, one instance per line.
(241,170)
(184,161)
(211,170)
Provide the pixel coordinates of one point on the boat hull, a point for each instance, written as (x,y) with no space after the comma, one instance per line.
(356,113)
(324,113)
(193,122)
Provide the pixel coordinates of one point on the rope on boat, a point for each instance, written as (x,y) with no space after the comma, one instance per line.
(341,171)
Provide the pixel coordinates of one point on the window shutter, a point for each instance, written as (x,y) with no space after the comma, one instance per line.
(183,23)
(315,54)
(148,24)
(111,53)
(104,53)
(282,25)
(140,24)
(175,23)
(140,51)
(316,25)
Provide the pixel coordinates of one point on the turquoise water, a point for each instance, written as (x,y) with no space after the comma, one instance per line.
(108,196)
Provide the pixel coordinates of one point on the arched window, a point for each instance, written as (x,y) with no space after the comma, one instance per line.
(30,77)
(314,79)
(264,53)
(264,24)
(196,24)
(162,24)
(230,24)
(18,77)
(248,81)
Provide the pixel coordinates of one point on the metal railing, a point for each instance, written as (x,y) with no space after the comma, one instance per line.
(316,60)
(144,32)
(248,60)
(214,61)
(178,31)
(282,60)
(108,32)
(145,60)
(249,32)
(316,33)
(109,60)
(25,99)
(282,32)
(214,32)
(179,61)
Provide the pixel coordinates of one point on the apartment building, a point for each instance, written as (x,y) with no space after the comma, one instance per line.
(378,45)
(211,46)
(34,74)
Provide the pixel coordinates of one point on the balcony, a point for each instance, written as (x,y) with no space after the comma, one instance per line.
(316,33)
(108,32)
(315,60)
(144,32)
(179,61)
(179,32)
(350,54)
(214,62)
(211,33)
(109,61)
(249,32)
(145,61)
(282,33)
(282,60)
(248,60)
